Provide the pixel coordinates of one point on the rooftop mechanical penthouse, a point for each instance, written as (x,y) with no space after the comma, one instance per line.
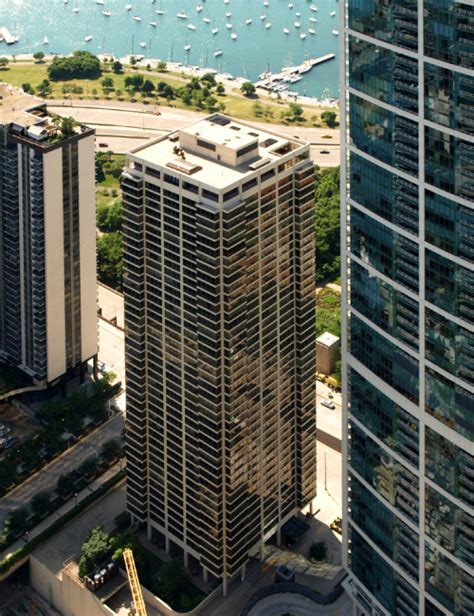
(48,311)
(220,338)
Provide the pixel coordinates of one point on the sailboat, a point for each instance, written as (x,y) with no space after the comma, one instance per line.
(160,10)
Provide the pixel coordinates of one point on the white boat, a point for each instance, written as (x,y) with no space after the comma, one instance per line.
(335,32)
(313,19)
(268,25)
(233,36)
(142,44)
(128,7)
(286,31)
(88,38)
(228,26)
(153,24)
(218,53)
(263,16)
(298,14)
(199,8)
(302,36)
(75,10)
(291,5)
(137,18)
(191,27)
(187,47)
(106,13)
(297,24)
(294,79)
(159,12)
(46,41)
(313,8)
(332,13)
(228,14)
(248,22)
(99,1)
(305,68)
(214,31)
(311,31)
(206,20)
(226,1)
(181,16)
(266,3)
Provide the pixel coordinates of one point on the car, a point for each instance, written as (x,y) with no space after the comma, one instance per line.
(4,431)
(328,404)
(10,442)
(324,152)
(103,145)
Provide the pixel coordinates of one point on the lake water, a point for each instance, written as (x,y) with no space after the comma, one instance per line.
(256,49)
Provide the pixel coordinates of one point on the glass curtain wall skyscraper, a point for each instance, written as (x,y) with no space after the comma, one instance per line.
(408,284)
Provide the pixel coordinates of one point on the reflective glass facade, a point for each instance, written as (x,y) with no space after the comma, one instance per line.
(408,277)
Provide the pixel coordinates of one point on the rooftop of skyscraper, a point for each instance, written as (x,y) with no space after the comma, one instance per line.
(217,150)
(28,116)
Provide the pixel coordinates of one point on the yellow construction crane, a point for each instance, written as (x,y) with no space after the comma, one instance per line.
(140,609)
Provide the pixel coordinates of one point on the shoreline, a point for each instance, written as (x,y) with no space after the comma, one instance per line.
(192,71)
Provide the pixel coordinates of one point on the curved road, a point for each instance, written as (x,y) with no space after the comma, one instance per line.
(298,605)
(122,126)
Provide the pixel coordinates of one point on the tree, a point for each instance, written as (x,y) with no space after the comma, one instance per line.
(172,582)
(44,88)
(88,467)
(329,117)
(161,66)
(107,84)
(327,223)
(209,79)
(81,65)
(248,89)
(16,520)
(67,126)
(210,102)
(94,551)
(26,87)
(257,109)
(133,61)
(117,67)
(295,110)
(122,521)
(148,87)
(65,485)
(109,217)
(3,63)
(38,56)
(134,82)
(40,503)
(109,258)
(220,89)
(110,450)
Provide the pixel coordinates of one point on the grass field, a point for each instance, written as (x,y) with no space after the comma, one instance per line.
(19,73)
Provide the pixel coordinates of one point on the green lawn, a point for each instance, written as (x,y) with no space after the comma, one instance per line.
(328,312)
(19,73)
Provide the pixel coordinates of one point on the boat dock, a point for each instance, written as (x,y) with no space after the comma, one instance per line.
(290,74)
(6,36)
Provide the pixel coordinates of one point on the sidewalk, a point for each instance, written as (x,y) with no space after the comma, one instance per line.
(70,504)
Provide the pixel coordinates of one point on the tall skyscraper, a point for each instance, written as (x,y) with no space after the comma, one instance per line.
(408,233)
(220,338)
(48,306)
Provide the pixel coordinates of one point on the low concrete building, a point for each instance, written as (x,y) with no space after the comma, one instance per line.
(327,352)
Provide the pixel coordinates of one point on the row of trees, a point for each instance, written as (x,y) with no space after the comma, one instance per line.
(44,503)
(64,421)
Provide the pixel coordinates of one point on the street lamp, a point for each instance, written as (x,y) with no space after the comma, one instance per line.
(75,499)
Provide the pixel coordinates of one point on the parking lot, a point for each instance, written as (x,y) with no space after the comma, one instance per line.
(19,420)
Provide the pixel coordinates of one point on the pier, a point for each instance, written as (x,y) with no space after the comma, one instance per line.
(290,74)
(6,36)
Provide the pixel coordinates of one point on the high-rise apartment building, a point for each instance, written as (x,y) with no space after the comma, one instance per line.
(48,307)
(408,234)
(220,338)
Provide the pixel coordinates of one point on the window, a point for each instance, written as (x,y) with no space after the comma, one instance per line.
(247,149)
(206,145)
(153,172)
